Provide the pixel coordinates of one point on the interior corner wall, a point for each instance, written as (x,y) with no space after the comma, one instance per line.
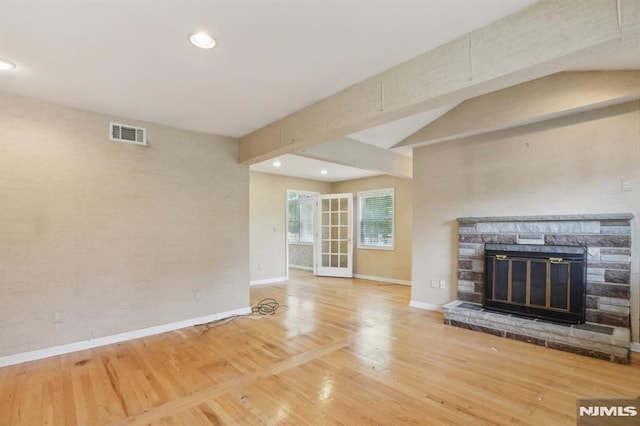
(112,237)
(572,165)
(268,226)
(387,264)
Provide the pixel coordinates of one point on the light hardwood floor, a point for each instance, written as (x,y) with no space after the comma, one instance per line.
(345,352)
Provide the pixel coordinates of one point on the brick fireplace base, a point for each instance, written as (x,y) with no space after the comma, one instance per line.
(594,340)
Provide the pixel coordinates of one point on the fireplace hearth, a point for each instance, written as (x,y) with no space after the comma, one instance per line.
(538,281)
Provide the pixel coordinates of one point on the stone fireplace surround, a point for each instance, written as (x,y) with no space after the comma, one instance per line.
(606,335)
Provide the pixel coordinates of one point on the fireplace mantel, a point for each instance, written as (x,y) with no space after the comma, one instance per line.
(548,218)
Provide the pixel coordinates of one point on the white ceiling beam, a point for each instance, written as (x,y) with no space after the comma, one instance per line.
(349,152)
(542,39)
(555,96)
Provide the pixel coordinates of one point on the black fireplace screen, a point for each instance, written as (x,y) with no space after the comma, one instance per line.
(546,282)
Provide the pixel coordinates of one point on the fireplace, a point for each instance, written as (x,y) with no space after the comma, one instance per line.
(539,281)
(544,259)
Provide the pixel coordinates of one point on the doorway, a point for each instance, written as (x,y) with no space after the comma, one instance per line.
(320,233)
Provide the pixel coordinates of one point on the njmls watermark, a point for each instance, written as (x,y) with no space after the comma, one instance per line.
(608,411)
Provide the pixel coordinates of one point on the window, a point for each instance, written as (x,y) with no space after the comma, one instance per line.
(300,228)
(375,219)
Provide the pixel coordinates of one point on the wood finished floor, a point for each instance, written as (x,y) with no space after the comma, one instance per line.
(345,352)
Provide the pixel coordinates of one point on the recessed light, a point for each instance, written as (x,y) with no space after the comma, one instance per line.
(277,163)
(202,40)
(324,172)
(6,65)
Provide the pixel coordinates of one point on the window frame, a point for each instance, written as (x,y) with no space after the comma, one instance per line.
(309,198)
(301,204)
(370,194)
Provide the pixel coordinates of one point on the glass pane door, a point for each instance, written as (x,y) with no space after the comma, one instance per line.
(335,243)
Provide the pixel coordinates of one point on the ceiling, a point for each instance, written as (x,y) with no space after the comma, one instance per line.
(389,134)
(309,168)
(132,58)
(384,137)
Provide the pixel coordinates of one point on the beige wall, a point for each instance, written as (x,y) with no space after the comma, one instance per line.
(268,228)
(114,237)
(572,165)
(392,264)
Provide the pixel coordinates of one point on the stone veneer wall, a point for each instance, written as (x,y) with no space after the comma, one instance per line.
(607,238)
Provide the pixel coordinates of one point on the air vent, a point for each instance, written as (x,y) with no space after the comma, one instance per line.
(127,134)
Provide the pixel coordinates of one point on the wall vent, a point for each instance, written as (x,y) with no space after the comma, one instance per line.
(127,134)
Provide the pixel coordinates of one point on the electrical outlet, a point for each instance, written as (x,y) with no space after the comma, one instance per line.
(196,295)
(443,284)
(433,284)
(627,185)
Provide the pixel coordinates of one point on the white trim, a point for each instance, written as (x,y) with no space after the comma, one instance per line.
(306,268)
(116,338)
(427,306)
(634,347)
(382,279)
(268,281)
(363,247)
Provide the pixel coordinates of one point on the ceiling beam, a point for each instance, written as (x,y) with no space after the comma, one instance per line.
(540,40)
(349,152)
(557,95)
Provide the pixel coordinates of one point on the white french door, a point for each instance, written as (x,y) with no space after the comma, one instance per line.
(334,249)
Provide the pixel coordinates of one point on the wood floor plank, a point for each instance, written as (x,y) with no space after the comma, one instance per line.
(211,392)
(342,351)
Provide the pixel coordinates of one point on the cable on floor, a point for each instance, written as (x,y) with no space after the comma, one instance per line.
(263,308)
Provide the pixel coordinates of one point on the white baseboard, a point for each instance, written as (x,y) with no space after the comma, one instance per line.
(635,346)
(382,279)
(427,306)
(268,281)
(116,338)
(306,268)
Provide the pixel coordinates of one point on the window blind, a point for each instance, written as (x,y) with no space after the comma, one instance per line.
(376,209)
